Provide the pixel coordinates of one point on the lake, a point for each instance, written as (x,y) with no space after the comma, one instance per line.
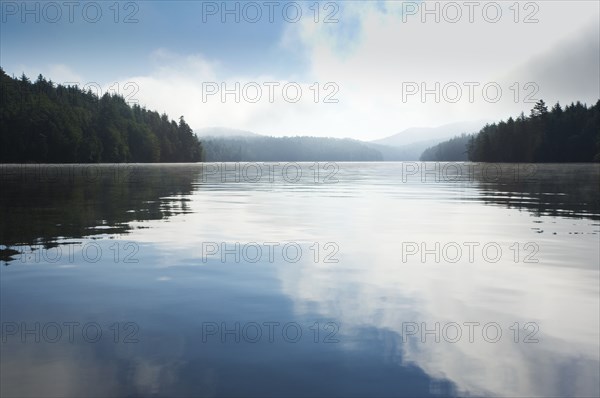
(300,279)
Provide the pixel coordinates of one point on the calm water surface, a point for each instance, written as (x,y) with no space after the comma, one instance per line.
(352,279)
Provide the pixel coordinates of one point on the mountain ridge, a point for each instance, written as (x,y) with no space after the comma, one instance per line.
(413,135)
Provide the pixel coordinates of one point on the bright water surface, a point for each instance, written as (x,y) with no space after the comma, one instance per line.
(147,256)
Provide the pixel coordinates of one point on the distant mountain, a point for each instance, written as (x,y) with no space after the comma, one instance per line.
(430,135)
(223,132)
(226,144)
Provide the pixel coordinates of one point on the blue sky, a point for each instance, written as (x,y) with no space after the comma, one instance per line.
(105,49)
(364,58)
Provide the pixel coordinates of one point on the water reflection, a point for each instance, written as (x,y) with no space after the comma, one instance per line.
(41,204)
(569,190)
(374,292)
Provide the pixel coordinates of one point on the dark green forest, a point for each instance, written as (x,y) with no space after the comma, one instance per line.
(558,135)
(452,150)
(48,123)
(275,149)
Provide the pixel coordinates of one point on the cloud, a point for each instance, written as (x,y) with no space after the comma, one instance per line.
(392,49)
(370,58)
(192,85)
(568,72)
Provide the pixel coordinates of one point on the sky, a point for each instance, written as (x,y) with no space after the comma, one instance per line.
(358,69)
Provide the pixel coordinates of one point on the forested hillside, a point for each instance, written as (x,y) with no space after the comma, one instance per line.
(571,134)
(44,122)
(452,150)
(288,149)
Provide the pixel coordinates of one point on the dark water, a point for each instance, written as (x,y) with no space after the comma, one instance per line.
(351,279)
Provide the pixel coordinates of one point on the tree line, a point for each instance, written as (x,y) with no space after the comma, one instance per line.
(558,135)
(452,150)
(48,123)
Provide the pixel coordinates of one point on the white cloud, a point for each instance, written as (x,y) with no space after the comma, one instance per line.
(390,52)
(369,55)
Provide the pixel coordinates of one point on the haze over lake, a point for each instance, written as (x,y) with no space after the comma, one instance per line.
(300,279)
